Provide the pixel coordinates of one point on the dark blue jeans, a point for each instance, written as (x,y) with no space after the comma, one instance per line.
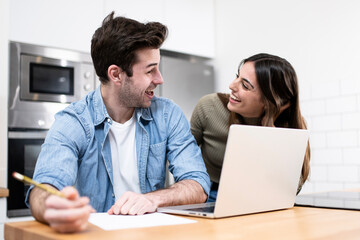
(213,194)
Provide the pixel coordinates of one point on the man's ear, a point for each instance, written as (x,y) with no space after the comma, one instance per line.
(115,74)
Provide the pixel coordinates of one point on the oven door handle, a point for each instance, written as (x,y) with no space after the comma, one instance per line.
(27,134)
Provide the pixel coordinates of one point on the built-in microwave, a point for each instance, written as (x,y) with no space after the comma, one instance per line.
(43,80)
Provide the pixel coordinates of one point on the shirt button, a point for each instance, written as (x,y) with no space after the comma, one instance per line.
(108,120)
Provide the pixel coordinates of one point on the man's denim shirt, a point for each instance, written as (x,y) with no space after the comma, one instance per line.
(76,151)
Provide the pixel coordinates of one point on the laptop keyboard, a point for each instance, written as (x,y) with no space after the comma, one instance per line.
(202,209)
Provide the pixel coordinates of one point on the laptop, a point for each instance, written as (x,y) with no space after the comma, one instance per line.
(261,172)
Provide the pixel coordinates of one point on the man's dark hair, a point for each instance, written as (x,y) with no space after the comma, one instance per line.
(117,41)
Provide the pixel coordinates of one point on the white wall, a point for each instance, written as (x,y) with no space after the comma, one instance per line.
(321,39)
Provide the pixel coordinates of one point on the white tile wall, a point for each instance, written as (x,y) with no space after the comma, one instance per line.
(352,185)
(351,121)
(326,122)
(327,69)
(352,156)
(308,186)
(341,104)
(342,139)
(325,156)
(313,108)
(317,140)
(305,91)
(325,186)
(347,173)
(318,173)
(325,90)
(350,87)
(333,111)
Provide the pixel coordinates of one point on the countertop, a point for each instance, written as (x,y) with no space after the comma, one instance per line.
(4,192)
(297,223)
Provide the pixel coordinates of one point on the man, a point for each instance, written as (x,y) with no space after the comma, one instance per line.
(113,145)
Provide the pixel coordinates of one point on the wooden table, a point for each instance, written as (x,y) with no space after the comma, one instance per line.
(4,192)
(295,223)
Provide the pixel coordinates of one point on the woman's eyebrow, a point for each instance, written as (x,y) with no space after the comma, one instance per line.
(244,79)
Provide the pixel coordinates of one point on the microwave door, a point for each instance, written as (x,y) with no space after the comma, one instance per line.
(47,79)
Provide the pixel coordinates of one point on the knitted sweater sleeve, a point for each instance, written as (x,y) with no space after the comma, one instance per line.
(198,120)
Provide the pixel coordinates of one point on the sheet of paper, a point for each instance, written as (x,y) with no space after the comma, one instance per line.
(113,222)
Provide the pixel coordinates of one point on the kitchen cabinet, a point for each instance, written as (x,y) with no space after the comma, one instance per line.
(190,22)
(140,10)
(192,27)
(65,24)
(71,24)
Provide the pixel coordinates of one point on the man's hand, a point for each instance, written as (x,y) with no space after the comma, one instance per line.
(68,214)
(131,203)
(183,192)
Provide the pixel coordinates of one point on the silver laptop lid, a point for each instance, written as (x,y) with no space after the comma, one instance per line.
(261,169)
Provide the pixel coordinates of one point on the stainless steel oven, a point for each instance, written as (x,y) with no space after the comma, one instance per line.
(23,149)
(43,81)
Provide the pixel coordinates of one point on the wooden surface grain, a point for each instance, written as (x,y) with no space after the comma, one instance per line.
(295,223)
(4,192)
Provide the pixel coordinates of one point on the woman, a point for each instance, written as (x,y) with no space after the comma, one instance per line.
(264,93)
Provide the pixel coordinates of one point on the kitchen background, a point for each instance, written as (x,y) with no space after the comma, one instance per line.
(319,37)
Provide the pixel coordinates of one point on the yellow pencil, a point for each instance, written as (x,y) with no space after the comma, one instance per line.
(25,179)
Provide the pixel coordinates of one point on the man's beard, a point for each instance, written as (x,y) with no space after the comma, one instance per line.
(132,97)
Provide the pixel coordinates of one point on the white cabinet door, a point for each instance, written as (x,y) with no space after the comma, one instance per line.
(70,24)
(140,10)
(64,23)
(191,24)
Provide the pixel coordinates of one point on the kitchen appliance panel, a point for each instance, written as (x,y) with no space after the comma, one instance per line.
(33,106)
(185,81)
(23,150)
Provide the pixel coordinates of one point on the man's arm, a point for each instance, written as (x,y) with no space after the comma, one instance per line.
(68,214)
(37,200)
(182,192)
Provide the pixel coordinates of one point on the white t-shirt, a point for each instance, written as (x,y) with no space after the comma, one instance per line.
(123,154)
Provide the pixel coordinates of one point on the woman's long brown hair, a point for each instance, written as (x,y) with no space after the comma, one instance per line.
(279,86)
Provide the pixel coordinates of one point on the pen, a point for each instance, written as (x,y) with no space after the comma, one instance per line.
(25,179)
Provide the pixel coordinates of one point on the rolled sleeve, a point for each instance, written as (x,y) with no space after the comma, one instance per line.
(184,155)
(58,160)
